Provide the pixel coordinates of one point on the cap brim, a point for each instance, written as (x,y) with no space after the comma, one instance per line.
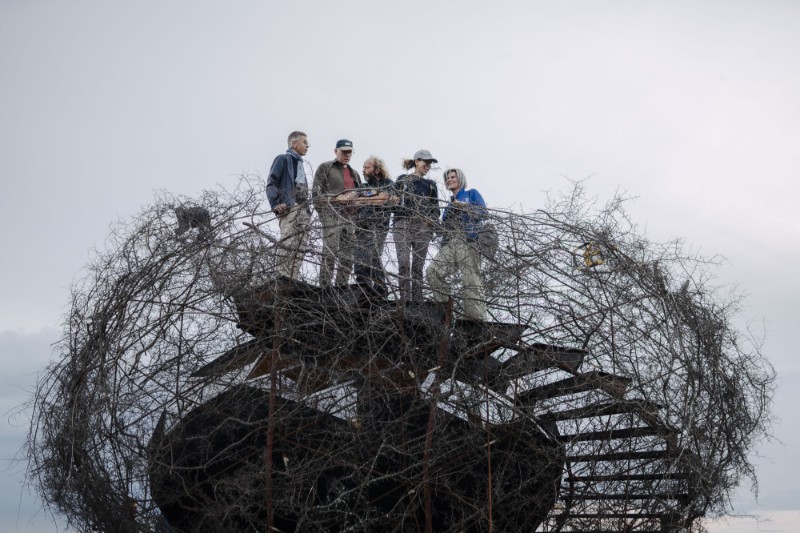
(346,148)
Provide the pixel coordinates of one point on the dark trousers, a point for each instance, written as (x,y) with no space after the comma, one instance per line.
(368,267)
(411,239)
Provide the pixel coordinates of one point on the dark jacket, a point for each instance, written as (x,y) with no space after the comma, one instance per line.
(329,179)
(282,187)
(418,197)
(375,215)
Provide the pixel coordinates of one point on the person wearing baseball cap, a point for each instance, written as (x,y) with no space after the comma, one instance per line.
(415,218)
(331,179)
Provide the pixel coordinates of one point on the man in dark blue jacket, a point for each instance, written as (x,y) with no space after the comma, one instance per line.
(287,192)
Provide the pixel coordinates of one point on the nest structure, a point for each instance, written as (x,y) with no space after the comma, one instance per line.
(195,390)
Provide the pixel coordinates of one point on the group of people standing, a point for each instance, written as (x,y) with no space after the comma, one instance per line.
(356,216)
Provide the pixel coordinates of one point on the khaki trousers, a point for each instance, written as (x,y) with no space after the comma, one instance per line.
(456,255)
(338,239)
(294,227)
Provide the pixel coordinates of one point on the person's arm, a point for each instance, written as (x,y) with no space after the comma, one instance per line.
(397,199)
(275,193)
(391,192)
(479,205)
(474,213)
(319,189)
(433,211)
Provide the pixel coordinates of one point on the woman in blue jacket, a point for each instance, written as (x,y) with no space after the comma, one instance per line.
(461,223)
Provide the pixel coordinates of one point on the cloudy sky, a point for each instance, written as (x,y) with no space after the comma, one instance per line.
(692,107)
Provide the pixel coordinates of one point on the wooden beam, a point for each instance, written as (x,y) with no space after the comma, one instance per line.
(604,408)
(619,433)
(234,359)
(612,384)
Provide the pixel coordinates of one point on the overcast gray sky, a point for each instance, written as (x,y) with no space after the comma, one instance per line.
(693,107)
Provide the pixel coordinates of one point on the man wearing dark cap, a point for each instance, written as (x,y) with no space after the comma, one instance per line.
(287,192)
(331,180)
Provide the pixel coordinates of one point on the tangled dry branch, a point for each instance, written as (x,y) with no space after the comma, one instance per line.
(620,395)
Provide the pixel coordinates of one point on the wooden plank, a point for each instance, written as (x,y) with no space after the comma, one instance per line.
(640,516)
(612,384)
(478,338)
(626,496)
(548,356)
(614,531)
(309,378)
(528,359)
(619,433)
(234,359)
(264,365)
(655,476)
(605,408)
(620,456)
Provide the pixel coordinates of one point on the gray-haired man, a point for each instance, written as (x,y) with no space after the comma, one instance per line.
(287,191)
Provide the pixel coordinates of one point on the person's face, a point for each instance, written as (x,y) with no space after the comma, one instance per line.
(343,156)
(369,168)
(422,167)
(301,145)
(451,181)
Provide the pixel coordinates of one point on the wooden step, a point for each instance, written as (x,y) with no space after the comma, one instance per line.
(612,384)
(478,338)
(656,476)
(615,531)
(626,496)
(526,360)
(622,433)
(621,456)
(234,359)
(641,516)
(605,408)
(551,356)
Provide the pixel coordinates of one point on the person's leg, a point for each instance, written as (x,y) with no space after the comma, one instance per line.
(443,265)
(294,230)
(378,272)
(330,242)
(402,245)
(344,253)
(362,256)
(302,224)
(421,239)
(474,298)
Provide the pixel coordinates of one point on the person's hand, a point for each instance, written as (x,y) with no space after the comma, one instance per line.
(345,198)
(281,209)
(394,200)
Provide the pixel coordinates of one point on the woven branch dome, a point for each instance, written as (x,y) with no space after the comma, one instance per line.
(195,390)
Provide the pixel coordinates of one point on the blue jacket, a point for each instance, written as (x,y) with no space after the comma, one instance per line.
(282,187)
(467,217)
